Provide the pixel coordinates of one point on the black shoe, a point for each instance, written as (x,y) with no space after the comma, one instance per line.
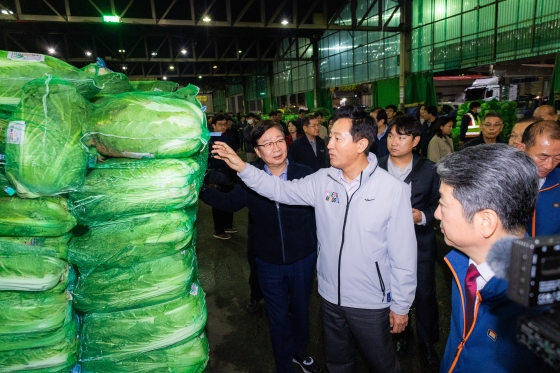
(253,306)
(429,357)
(404,342)
(307,364)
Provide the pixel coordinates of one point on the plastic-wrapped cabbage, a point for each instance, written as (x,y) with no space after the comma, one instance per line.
(139,285)
(122,187)
(155,85)
(30,272)
(33,312)
(42,217)
(4,120)
(123,242)
(19,341)
(17,68)
(137,125)
(44,155)
(114,83)
(190,356)
(56,358)
(114,336)
(56,247)
(6,188)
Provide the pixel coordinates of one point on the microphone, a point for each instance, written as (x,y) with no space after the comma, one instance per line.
(498,257)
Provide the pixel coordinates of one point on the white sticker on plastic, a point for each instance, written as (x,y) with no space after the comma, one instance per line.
(15,132)
(157,90)
(194,290)
(137,155)
(29,57)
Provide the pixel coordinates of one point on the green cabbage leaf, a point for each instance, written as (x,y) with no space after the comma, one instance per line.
(134,239)
(142,284)
(114,336)
(42,217)
(118,188)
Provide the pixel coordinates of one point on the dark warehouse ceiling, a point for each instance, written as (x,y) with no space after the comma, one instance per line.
(241,38)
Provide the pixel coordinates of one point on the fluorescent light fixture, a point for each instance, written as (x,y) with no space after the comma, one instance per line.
(284,22)
(171,67)
(51,50)
(88,53)
(184,51)
(206,19)
(111,19)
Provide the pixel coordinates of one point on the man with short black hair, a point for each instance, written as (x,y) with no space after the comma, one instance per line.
(476,210)
(403,134)
(541,142)
(366,264)
(309,150)
(391,111)
(379,147)
(249,150)
(470,123)
(430,117)
(300,118)
(322,127)
(517,131)
(490,129)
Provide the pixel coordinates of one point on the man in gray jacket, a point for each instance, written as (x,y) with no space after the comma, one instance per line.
(366,262)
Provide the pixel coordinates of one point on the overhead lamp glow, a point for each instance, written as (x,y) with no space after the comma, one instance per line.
(200,77)
(171,67)
(164,78)
(154,53)
(124,67)
(51,50)
(121,51)
(284,22)
(4,11)
(88,53)
(240,51)
(111,19)
(184,51)
(206,19)
(215,67)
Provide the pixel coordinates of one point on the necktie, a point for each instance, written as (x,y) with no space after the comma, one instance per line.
(470,292)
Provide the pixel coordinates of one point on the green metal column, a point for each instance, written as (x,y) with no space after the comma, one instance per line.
(405,50)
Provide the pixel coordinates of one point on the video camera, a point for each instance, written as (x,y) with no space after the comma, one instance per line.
(532,268)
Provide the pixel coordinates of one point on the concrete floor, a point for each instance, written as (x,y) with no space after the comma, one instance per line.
(239,341)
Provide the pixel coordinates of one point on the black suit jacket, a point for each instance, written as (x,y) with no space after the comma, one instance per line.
(424,197)
(301,152)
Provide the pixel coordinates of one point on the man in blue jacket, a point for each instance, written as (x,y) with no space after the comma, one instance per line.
(487,193)
(541,142)
(366,264)
(284,241)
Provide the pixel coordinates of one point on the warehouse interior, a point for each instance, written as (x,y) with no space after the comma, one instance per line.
(263,55)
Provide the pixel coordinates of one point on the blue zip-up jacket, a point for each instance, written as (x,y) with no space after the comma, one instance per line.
(490,346)
(281,234)
(546,218)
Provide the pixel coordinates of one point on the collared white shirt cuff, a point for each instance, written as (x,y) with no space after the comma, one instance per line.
(423,222)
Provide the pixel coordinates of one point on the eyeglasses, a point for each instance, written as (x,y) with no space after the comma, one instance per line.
(492,125)
(269,145)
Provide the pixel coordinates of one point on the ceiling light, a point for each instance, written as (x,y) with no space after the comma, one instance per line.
(206,19)
(284,22)
(171,67)
(9,11)
(88,53)
(51,50)
(200,77)
(4,11)
(154,53)
(121,51)
(184,51)
(240,51)
(124,67)
(215,67)
(164,78)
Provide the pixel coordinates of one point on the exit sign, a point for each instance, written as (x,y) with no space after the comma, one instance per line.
(114,19)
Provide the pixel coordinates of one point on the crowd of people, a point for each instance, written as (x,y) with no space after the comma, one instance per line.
(353,203)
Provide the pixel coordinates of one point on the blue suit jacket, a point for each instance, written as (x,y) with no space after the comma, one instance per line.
(546,218)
